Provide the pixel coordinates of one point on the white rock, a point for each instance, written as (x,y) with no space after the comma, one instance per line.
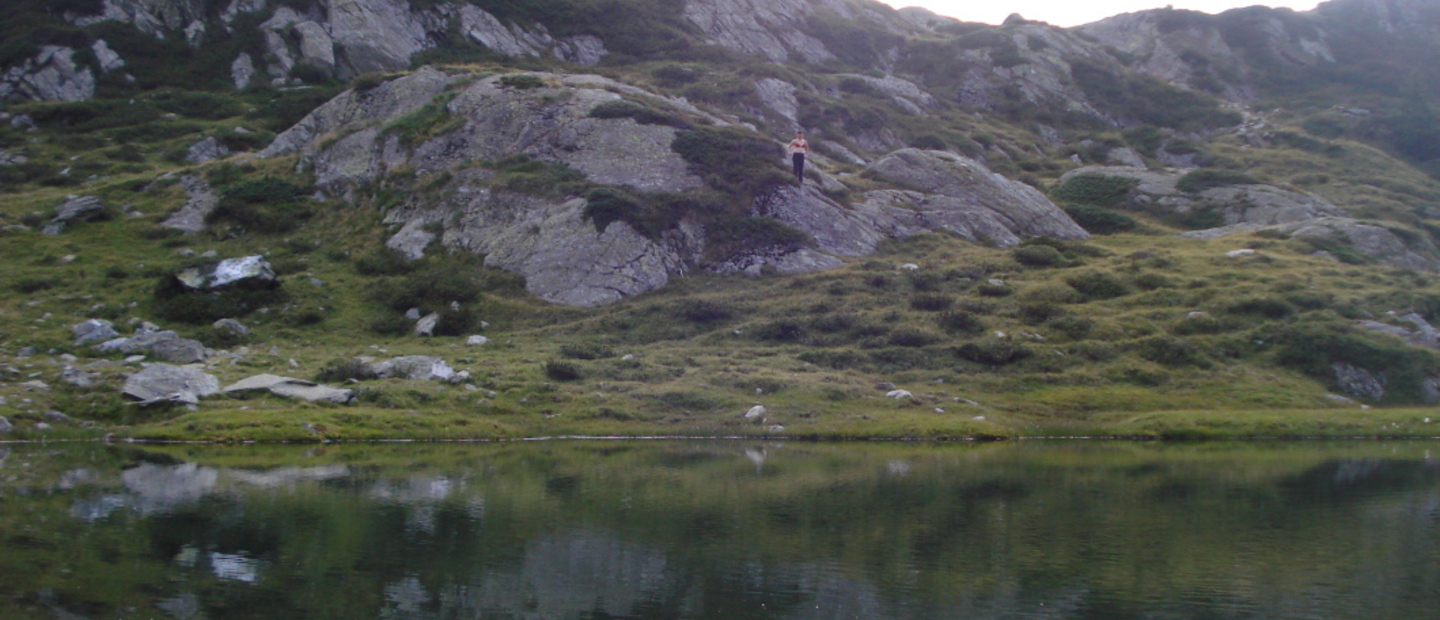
(755,412)
(899,394)
(476,340)
(1239,253)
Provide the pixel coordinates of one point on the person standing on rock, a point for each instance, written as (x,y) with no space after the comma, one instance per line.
(798,148)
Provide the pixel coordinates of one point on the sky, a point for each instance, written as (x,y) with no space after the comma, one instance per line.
(1075,12)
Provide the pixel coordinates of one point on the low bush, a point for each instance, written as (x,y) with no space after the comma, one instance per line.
(1037,312)
(728,236)
(383,261)
(911,337)
(1100,221)
(641,113)
(960,322)
(706,311)
(783,330)
(1098,285)
(993,352)
(1268,307)
(833,322)
(932,302)
(586,351)
(435,286)
(174,301)
(26,286)
(346,369)
(991,289)
(1172,352)
(560,370)
(1038,256)
(523,81)
(1095,190)
(266,205)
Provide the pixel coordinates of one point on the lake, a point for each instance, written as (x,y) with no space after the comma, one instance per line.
(722,529)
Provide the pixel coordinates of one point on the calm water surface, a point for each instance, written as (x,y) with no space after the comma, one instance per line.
(722,530)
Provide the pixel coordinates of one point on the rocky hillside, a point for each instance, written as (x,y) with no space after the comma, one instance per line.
(490,164)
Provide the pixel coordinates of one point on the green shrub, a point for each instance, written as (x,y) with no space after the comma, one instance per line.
(911,337)
(176,302)
(523,81)
(1197,181)
(1073,327)
(436,286)
(706,311)
(1037,312)
(930,142)
(383,261)
(1098,285)
(391,324)
(26,286)
(991,289)
(783,330)
(586,351)
(961,321)
(993,352)
(643,114)
(1038,256)
(546,179)
(932,302)
(266,205)
(1099,221)
(831,323)
(560,370)
(650,215)
(739,164)
(346,369)
(1095,190)
(1315,348)
(199,105)
(726,237)
(1172,352)
(1268,307)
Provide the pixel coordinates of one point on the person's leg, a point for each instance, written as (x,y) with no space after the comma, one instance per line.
(799,160)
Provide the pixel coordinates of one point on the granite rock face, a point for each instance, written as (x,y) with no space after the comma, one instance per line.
(51,75)
(551,241)
(1246,204)
(164,382)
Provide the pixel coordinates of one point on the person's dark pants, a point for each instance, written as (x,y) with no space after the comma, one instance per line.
(799,161)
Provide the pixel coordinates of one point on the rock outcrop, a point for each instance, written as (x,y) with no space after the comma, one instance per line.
(166,383)
(1373,240)
(287,387)
(1247,205)
(551,241)
(200,200)
(51,75)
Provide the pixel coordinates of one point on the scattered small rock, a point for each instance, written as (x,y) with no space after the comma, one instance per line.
(755,413)
(899,394)
(476,341)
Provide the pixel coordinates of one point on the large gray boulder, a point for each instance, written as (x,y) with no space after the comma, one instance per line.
(252,271)
(563,258)
(93,330)
(980,197)
(288,387)
(415,367)
(164,382)
(165,345)
(51,75)
(75,209)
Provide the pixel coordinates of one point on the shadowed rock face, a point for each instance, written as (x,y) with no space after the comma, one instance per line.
(565,259)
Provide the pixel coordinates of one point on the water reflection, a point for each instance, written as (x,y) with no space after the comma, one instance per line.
(723,530)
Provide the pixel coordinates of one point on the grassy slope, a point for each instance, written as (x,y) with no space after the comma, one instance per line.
(1102,340)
